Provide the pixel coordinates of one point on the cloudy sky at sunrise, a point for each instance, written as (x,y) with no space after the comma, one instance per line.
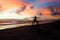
(11,9)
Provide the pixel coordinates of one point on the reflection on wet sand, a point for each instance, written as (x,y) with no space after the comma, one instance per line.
(19,24)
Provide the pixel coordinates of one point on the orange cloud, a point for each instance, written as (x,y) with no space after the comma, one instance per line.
(6,4)
(46,12)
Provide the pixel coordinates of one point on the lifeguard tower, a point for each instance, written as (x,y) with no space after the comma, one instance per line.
(35,21)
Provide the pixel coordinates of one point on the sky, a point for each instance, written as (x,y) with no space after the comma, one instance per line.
(10,9)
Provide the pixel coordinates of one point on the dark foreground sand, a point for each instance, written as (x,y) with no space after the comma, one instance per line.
(49,31)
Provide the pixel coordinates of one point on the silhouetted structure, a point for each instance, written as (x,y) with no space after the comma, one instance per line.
(35,25)
(35,22)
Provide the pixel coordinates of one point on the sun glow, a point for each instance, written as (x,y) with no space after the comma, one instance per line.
(8,9)
(11,14)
